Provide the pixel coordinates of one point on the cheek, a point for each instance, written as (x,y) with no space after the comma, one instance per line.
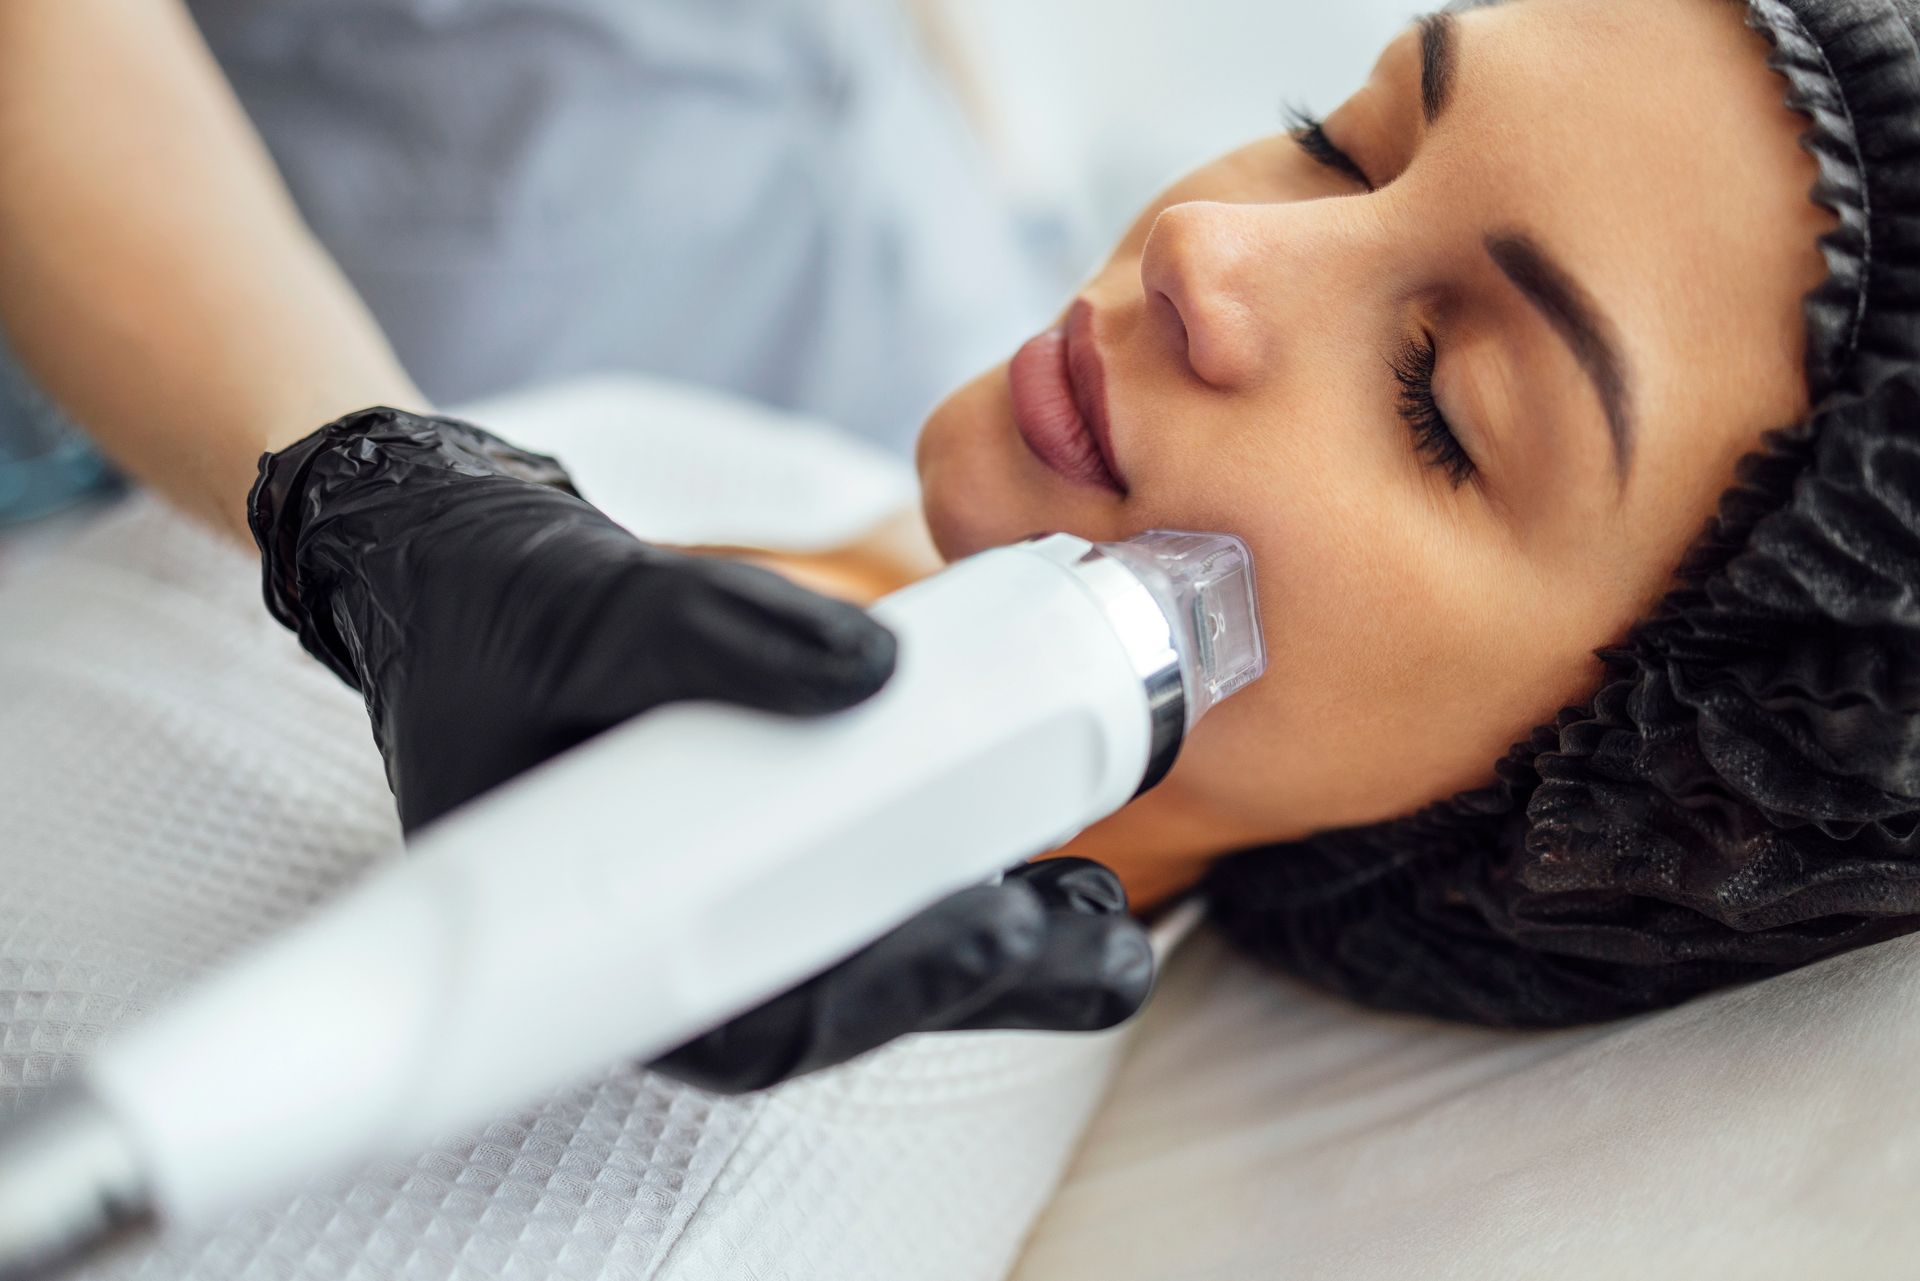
(1406,654)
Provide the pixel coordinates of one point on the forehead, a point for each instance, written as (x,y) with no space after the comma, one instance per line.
(1646,144)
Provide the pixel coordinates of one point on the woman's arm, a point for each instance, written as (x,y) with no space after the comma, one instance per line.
(155,276)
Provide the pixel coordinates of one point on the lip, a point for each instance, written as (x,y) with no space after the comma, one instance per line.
(1060,402)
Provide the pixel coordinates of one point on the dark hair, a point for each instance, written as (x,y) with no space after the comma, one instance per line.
(1742,794)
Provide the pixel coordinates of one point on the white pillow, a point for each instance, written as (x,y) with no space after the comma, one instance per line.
(1260,1129)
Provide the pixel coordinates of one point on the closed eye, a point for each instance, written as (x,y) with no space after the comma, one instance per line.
(1310,132)
(1433,435)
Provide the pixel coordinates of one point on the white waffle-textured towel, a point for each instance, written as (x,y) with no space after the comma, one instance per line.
(178,779)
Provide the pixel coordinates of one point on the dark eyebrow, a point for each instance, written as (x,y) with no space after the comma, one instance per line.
(1571,312)
(1437,51)
(1436,63)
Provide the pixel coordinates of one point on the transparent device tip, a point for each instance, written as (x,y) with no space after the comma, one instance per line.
(1204,584)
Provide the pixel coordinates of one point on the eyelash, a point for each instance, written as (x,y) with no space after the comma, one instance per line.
(1310,132)
(1433,437)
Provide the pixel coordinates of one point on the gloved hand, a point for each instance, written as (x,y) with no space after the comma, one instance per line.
(492,618)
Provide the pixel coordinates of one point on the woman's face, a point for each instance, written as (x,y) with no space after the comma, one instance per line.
(1468,371)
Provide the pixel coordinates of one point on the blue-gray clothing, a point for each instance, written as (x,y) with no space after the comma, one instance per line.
(774,196)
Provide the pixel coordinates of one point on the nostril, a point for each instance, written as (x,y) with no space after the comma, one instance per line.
(1167,314)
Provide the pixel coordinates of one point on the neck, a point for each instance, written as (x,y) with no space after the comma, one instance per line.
(1159,846)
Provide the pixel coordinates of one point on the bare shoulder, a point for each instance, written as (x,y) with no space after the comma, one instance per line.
(892,554)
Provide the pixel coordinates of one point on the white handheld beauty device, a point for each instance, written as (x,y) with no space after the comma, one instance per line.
(647,886)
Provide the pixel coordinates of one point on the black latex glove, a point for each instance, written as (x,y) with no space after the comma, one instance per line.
(492,618)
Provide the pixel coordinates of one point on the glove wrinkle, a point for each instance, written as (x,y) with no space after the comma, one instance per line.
(1094,970)
(1078,885)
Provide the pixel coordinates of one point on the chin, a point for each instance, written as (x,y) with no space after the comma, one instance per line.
(968,491)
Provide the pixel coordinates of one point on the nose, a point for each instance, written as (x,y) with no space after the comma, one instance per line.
(1197,268)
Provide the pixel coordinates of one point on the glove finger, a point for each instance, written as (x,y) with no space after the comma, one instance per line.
(680,627)
(1073,884)
(1092,972)
(812,653)
(1097,966)
(952,960)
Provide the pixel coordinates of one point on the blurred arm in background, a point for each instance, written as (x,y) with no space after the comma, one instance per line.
(154,275)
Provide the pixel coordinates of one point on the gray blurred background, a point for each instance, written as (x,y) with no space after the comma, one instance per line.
(1091,106)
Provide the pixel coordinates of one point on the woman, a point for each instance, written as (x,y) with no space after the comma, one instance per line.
(1346,344)
(1341,343)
